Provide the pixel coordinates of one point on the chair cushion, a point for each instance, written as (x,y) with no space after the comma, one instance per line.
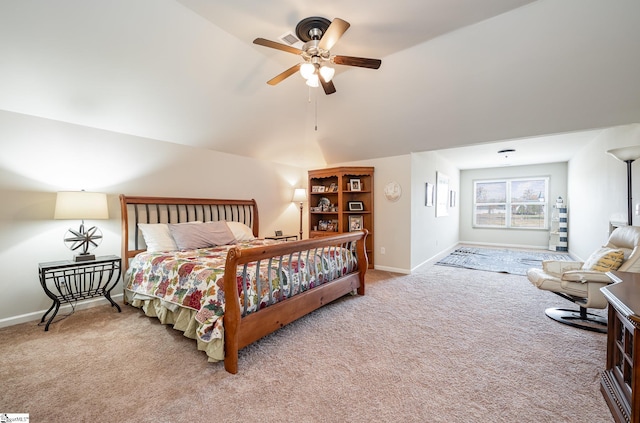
(585,276)
(624,237)
(632,264)
(604,260)
(558,267)
(544,281)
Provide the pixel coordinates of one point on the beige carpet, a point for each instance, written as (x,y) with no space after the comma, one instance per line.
(442,345)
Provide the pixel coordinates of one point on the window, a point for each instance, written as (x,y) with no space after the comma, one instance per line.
(511,203)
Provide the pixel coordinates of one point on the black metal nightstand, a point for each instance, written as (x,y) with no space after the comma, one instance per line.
(68,281)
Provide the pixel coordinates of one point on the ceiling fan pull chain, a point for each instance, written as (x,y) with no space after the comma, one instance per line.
(316,112)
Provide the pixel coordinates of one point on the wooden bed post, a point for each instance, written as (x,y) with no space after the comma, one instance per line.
(256,220)
(232,315)
(363,260)
(124,219)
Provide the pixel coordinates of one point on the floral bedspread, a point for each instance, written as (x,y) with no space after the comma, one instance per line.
(194,279)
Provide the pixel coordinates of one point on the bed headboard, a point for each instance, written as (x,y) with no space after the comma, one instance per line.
(136,210)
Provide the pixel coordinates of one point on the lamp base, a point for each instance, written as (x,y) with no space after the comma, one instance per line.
(84,257)
(83,241)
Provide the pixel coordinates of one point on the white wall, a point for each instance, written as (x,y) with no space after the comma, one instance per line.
(408,231)
(431,235)
(529,238)
(597,185)
(392,226)
(40,157)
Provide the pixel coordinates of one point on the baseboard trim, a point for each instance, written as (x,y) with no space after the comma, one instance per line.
(436,257)
(64,309)
(501,245)
(392,269)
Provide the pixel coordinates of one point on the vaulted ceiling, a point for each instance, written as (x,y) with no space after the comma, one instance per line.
(454,73)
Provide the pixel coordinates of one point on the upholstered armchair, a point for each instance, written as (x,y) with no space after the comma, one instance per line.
(580,282)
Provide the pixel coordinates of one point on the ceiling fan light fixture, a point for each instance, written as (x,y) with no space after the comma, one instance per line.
(319,35)
(327,73)
(307,69)
(313,81)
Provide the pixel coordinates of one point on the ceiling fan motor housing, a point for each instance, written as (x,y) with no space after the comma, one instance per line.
(310,28)
(310,50)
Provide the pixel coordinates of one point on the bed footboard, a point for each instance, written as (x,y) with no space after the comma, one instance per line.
(242,331)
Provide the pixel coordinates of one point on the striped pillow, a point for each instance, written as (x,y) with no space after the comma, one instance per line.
(604,260)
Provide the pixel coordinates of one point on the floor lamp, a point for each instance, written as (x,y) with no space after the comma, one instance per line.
(300,195)
(627,155)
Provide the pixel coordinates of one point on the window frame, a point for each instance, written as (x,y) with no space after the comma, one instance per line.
(509,203)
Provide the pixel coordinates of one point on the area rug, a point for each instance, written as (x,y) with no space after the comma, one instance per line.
(499,260)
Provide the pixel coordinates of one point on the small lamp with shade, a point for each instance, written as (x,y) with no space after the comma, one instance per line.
(81,205)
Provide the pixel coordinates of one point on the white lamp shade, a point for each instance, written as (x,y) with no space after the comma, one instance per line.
(313,81)
(81,205)
(626,153)
(327,73)
(299,195)
(307,69)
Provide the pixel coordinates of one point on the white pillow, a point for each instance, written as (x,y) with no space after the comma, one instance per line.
(210,234)
(157,237)
(241,231)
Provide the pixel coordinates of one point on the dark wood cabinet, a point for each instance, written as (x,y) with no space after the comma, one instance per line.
(341,200)
(620,383)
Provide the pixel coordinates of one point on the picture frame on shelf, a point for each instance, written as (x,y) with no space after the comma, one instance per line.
(278,233)
(333,187)
(355,205)
(355,185)
(356,223)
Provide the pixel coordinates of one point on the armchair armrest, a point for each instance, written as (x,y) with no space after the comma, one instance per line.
(558,267)
(586,276)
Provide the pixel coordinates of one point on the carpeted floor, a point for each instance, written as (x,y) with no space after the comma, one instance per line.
(501,260)
(441,345)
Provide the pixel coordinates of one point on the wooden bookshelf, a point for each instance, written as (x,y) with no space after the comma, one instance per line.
(341,200)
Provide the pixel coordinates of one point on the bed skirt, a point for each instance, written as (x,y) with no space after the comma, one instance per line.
(182,319)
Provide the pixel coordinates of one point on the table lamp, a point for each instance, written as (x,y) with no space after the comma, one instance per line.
(81,205)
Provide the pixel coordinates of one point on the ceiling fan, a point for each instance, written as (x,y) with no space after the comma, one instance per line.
(319,36)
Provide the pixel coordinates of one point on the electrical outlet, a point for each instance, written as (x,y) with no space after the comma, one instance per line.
(383,250)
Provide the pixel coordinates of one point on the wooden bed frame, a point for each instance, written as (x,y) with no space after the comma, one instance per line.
(241,331)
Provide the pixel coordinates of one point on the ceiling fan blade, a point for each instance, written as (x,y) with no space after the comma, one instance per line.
(337,28)
(277,46)
(357,61)
(328,87)
(284,75)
